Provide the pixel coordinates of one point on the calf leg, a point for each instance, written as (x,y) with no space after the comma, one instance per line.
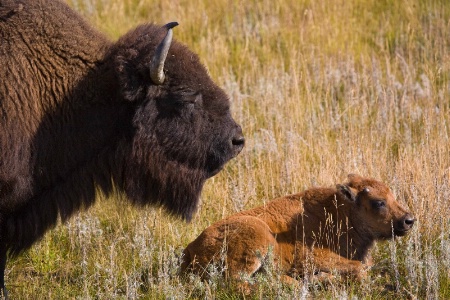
(240,244)
(323,263)
(328,261)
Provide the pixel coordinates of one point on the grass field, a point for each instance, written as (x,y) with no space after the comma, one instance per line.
(321,89)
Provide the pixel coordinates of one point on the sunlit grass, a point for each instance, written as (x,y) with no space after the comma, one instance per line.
(322,89)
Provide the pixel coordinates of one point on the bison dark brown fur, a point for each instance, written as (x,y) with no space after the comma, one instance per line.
(79,111)
(320,230)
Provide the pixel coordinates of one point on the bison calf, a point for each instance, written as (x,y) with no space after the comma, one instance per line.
(321,230)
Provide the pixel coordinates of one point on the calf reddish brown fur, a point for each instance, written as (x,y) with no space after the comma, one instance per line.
(318,231)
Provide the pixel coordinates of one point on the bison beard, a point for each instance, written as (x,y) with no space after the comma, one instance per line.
(79,112)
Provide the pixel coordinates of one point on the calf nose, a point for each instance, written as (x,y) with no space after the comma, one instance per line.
(408,221)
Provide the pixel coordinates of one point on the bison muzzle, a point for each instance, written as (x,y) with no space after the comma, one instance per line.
(319,231)
(77,112)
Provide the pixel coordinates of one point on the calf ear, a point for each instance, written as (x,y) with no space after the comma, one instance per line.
(347,192)
(354,179)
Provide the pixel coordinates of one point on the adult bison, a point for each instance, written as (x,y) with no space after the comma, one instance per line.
(318,231)
(78,111)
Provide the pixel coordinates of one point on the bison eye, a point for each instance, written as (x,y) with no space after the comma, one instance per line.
(191,97)
(378,204)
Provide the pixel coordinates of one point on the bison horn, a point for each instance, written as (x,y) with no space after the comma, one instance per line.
(157,64)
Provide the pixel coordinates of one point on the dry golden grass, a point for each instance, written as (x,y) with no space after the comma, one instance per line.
(322,89)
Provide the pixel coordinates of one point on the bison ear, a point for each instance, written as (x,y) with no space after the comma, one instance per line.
(347,192)
(131,78)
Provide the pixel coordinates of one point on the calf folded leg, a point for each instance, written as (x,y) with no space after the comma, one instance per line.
(329,262)
(239,244)
(323,263)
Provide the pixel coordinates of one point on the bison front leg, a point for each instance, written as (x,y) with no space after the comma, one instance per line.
(3,257)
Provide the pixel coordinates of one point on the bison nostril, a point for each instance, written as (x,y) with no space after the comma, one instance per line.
(238,140)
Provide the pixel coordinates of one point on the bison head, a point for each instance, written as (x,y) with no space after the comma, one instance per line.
(376,213)
(183,132)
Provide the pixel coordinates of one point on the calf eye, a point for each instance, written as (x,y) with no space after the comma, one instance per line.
(378,204)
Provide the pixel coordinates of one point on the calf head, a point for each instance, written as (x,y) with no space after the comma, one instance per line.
(375,212)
